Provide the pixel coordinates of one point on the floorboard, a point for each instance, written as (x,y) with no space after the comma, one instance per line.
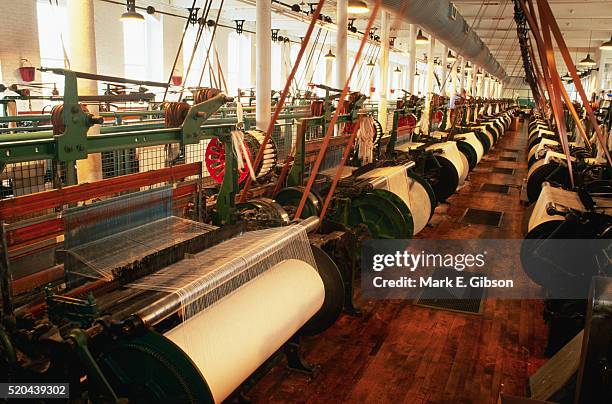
(398,352)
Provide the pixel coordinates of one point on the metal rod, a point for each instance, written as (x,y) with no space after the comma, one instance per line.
(101,77)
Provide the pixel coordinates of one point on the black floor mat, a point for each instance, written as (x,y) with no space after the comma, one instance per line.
(465,299)
(503,170)
(484,217)
(497,188)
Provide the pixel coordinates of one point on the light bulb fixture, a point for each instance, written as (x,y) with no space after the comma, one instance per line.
(421,39)
(450,57)
(417,73)
(566,77)
(397,70)
(357,7)
(468,67)
(330,55)
(587,61)
(131,14)
(371,63)
(479,73)
(606,45)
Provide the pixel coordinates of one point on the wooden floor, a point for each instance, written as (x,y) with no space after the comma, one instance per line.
(398,352)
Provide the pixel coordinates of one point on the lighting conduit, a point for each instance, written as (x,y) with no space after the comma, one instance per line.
(434,16)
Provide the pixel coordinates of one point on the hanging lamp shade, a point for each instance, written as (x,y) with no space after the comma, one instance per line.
(421,39)
(357,7)
(131,14)
(606,45)
(371,63)
(450,57)
(587,61)
(468,67)
(397,69)
(329,55)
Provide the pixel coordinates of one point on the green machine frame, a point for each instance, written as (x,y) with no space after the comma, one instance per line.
(75,144)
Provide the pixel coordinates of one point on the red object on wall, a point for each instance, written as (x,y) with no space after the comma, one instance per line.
(372,89)
(177,80)
(27,73)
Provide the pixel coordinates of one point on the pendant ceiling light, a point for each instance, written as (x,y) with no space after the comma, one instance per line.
(131,14)
(606,45)
(357,7)
(450,57)
(416,73)
(371,63)
(468,67)
(587,61)
(330,55)
(421,39)
(397,70)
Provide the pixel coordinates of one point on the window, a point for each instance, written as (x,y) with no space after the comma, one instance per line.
(52,23)
(142,59)
(238,63)
(134,49)
(276,68)
(209,78)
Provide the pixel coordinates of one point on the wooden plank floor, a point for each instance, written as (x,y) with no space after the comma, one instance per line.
(398,352)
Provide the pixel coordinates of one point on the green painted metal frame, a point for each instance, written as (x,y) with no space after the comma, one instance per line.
(74,144)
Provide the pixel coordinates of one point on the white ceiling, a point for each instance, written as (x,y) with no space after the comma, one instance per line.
(492,19)
(578,20)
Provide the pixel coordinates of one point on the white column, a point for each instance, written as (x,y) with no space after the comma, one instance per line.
(253,61)
(412,59)
(341,43)
(454,78)
(479,85)
(384,69)
(596,74)
(430,82)
(263,29)
(372,81)
(82,53)
(462,83)
(474,79)
(444,70)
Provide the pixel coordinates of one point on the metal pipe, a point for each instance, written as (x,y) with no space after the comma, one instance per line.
(435,17)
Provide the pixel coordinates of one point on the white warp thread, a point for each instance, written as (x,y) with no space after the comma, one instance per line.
(241,152)
(365,140)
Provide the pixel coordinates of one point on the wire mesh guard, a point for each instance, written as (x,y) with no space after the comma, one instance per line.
(107,236)
(206,277)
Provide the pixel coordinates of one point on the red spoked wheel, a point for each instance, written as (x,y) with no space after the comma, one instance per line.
(437,117)
(350,127)
(214,158)
(407,122)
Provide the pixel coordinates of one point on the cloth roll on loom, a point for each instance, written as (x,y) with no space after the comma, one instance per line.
(472,147)
(230,340)
(237,302)
(455,168)
(395,179)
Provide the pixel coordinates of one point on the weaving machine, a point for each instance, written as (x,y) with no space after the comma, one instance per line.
(548,163)
(151,306)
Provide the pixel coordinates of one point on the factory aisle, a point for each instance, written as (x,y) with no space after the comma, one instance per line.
(400,352)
